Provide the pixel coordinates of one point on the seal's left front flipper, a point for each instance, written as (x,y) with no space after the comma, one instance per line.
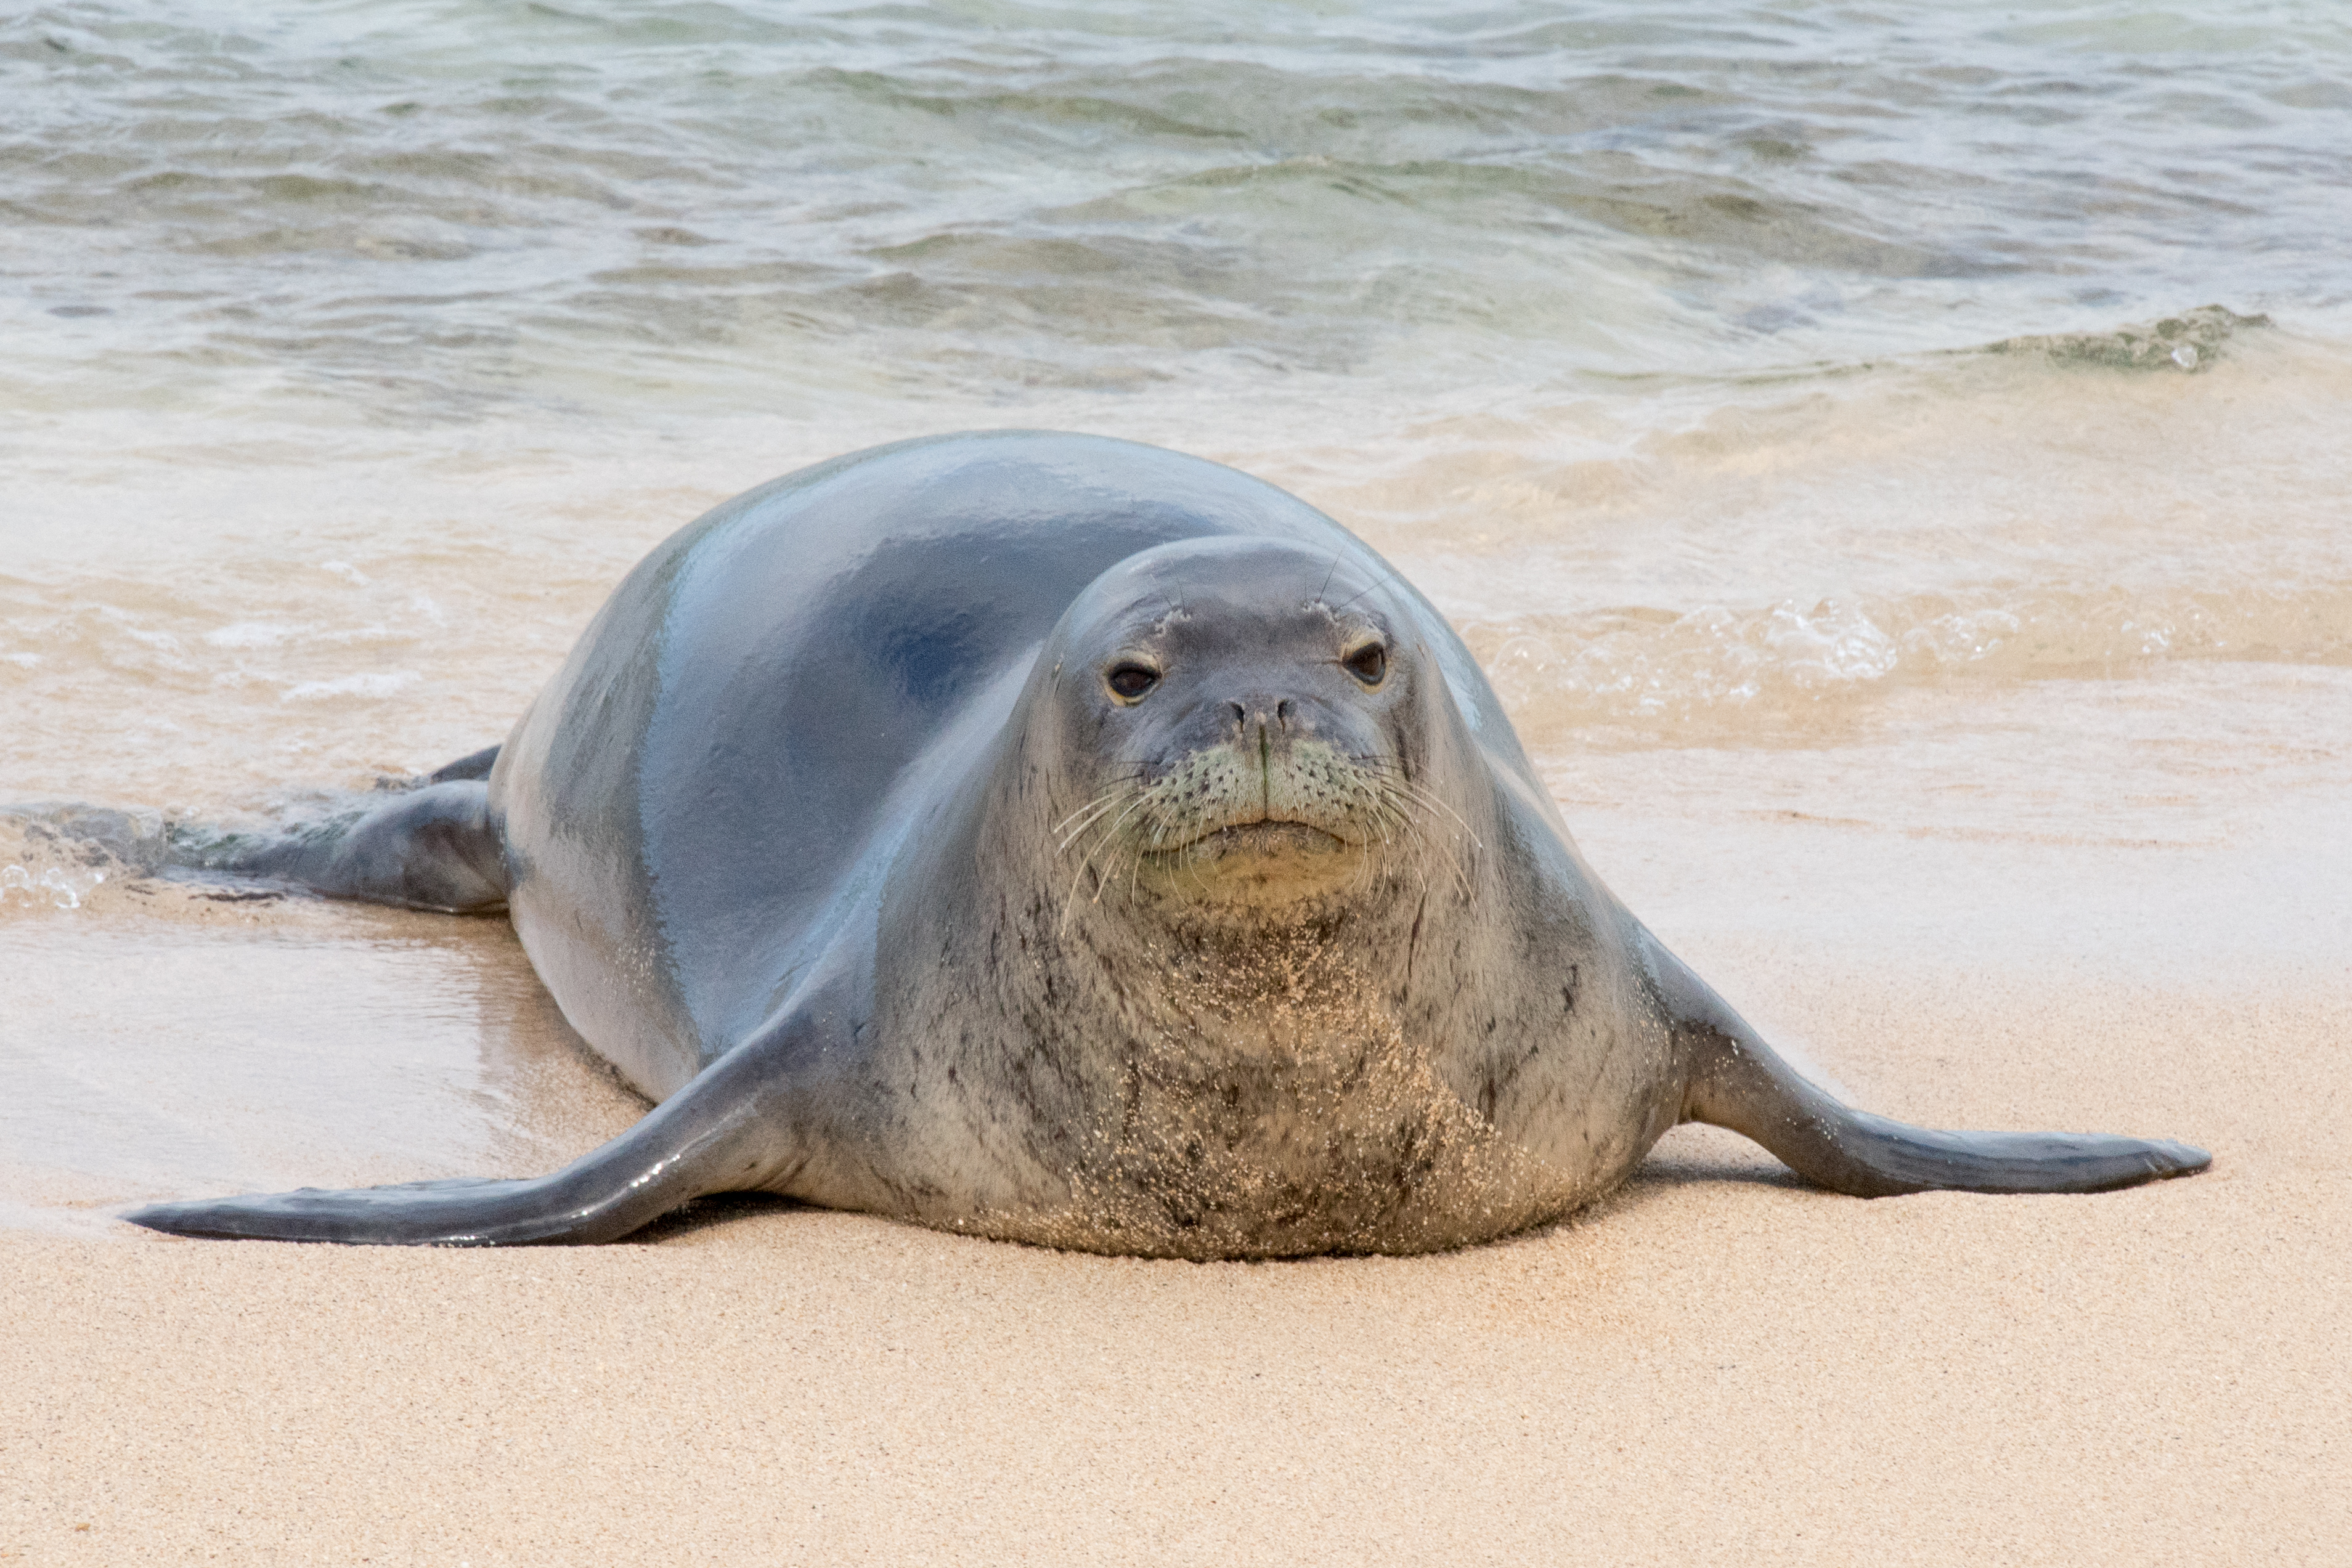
(734,1129)
(1732,1079)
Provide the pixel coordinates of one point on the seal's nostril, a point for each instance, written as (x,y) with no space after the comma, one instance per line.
(1282,713)
(1240,717)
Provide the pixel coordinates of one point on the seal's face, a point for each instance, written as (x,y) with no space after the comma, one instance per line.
(1235,715)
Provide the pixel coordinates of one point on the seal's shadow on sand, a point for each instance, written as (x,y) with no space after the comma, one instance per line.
(713,1213)
(1689,1161)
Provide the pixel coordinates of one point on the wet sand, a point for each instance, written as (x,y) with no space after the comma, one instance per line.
(1716,1364)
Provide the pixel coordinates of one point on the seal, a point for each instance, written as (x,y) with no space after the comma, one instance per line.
(1062,840)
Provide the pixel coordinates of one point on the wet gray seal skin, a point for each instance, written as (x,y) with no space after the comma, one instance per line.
(1063,839)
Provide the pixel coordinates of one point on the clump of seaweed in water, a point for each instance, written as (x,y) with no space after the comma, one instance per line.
(2189,342)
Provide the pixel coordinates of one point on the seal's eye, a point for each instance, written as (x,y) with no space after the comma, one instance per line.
(1128,682)
(1368,663)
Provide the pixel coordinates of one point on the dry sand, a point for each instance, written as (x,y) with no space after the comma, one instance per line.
(1714,1366)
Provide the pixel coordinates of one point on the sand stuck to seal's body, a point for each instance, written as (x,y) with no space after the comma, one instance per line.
(1063,839)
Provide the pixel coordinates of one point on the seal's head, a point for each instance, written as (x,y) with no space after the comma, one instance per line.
(1235,726)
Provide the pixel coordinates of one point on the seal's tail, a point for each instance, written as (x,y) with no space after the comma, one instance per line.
(1734,1079)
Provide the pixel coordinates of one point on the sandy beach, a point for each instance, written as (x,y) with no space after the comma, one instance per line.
(1716,1364)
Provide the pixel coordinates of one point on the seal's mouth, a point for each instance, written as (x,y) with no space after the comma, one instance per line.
(1230,824)
(1268,838)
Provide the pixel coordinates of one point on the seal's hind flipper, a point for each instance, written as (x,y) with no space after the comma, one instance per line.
(1734,1079)
(473,765)
(435,848)
(727,1131)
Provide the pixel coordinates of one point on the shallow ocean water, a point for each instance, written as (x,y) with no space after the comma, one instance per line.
(1891,459)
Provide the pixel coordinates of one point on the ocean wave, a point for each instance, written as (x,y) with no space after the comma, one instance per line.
(372,684)
(1719,664)
(431,213)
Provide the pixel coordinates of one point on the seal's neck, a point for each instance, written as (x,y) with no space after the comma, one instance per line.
(1171,1083)
(1263,993)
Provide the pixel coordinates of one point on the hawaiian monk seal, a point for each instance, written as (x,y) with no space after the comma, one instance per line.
(1063,839)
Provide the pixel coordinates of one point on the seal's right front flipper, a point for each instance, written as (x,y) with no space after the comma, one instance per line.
(1734,1079)
(733,1129)
(435,848)
(1739,1084)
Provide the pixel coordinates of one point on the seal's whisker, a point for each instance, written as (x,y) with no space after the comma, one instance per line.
(1393,776)
(1111,833)
(1074,834)
(1095,831)
(1092,810)
(1085,865)
(1104,875)
(1105,825)
(1431,806)
(1093,815)
(1395,795)
(1070,899)
(1417,835)
(1383,811)
(1077,820)
(1394,826)
(1065,826)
